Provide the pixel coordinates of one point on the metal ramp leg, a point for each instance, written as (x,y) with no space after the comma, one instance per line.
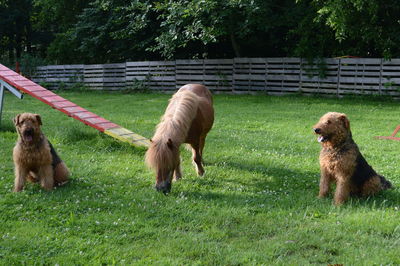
(1,99)
(3,87)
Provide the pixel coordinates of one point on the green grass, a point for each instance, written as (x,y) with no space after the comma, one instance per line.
(257,203)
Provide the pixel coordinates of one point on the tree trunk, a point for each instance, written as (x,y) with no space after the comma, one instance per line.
(29,37)
(18,38)
(235,45)
(10,53)
(18,46)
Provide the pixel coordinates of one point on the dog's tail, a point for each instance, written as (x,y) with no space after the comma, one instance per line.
(385,183)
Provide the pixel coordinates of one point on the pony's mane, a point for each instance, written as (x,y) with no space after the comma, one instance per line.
(174,126)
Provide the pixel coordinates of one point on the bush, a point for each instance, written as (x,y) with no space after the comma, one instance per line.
(29,63)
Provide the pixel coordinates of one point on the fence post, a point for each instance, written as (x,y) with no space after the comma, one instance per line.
(338,77)
(175,82)
(175,70)
(126,74)
(46,74)
(380,76)
(301,76)
(233,75)
(266,76)
(283,73)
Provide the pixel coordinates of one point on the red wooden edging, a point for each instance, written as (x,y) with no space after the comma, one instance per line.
(392,137)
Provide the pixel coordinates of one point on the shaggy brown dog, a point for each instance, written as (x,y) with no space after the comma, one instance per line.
(34,157)
(341,161)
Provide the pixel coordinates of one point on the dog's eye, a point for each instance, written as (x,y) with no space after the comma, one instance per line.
(328,122)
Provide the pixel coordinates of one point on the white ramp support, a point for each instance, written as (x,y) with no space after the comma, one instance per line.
(3,87)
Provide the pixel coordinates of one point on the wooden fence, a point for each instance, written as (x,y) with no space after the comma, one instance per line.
(240,75)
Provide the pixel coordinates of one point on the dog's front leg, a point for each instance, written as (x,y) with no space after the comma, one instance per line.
(20,177)
(324,183)
(46,177)
(342,192)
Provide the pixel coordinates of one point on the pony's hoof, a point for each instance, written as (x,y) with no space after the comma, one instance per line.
(177,178)
(200,171)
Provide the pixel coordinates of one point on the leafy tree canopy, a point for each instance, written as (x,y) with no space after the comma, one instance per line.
(372,26)
(98,31)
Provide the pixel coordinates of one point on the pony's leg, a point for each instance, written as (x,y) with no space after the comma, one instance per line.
(178,172)
(197,159)
(201,145)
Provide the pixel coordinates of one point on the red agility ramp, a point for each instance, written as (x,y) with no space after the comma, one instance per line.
(69,108)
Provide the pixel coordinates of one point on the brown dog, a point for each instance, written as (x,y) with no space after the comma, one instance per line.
(341,161)
(34,157)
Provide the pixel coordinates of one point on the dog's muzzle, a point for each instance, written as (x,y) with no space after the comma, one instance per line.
(28,134)
(321,138)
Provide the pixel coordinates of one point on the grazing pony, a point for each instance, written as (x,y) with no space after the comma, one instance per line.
(187,119)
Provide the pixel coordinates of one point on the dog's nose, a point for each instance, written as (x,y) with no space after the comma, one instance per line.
(317,130)
(29,131)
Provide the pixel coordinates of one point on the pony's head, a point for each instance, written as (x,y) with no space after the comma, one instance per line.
(163,158)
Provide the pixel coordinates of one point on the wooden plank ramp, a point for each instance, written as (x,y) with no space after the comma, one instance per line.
(71,109)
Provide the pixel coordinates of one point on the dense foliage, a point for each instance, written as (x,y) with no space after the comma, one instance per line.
(98,31)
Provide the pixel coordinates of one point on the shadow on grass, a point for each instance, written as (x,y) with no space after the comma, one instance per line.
(284,188)
(385,199)
(99,141)
(75,134)
(275,177)
(6,126)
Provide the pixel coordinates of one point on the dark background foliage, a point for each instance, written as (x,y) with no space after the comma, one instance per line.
(100,31)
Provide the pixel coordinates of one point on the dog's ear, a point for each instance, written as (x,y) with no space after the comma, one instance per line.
(39,119)
(345,121)
(16,120)
(170,144)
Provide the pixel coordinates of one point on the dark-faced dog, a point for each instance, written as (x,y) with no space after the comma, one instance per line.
(34,157)
(342,163)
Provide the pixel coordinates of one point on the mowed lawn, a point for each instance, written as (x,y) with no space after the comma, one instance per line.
(257,203)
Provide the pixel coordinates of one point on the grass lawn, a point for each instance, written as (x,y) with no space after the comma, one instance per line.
(257,203)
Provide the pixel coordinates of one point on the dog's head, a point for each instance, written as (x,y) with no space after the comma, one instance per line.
(332,128)
(28,127)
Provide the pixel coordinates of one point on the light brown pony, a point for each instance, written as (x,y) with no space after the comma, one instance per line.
(187,119)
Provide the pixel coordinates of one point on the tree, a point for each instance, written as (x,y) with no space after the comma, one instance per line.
(53,21)
(112,30)
(15,27)
(115,30)
(371,27)
(98,31)
(29,26)
(209,21)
